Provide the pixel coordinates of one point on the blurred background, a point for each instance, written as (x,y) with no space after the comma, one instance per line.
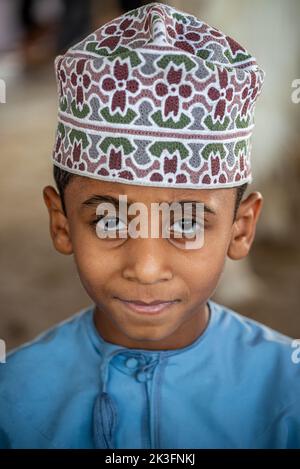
(39,287)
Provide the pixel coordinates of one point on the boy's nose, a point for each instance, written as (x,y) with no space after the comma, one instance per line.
(147,261)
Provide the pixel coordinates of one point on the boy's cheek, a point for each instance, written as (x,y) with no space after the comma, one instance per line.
(203,284)
(93,278)
(204,272)
(91,264)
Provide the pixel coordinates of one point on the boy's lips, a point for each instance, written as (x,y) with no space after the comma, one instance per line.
(148,307)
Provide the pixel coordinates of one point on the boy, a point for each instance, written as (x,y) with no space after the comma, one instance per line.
(156,107)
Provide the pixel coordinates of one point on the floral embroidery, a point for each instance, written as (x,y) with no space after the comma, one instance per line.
(173,91)
(121,85)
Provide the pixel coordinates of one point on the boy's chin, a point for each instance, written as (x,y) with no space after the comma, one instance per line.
(156,338)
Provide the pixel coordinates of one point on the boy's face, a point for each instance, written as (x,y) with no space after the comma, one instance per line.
(115,271)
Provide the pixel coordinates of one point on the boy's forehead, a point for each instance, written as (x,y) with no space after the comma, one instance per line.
(86,188)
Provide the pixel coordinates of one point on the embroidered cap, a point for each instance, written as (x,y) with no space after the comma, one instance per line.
(157,97)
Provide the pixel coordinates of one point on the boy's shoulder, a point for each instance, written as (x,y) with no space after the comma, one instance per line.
(50,336)
(45,357)
(245,332)
(259,350)
(39,377)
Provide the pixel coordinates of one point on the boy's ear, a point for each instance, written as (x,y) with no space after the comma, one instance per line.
(244,226)
(59,226)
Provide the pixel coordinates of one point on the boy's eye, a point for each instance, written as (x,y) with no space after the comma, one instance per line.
(186,226)
(109,225)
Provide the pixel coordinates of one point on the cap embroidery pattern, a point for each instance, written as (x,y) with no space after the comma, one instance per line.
(157,97)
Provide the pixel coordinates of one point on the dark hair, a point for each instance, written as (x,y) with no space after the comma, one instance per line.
(62,179)
(239,195)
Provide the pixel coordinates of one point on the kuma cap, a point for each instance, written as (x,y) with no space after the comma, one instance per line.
(157,97)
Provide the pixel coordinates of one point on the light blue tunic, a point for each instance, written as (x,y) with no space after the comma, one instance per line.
(236,386)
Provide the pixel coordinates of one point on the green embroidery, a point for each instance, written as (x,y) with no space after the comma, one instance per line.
(92,47)
(117,118)
(241,122)
(157,148)
(61,129)
(79,113)
(203,53)
(239,58)
(210,65)
(177,60)
(117,142)
(124,53)
(180,17)
(240,147)
(121,52)
(79,137)
(217,125)
(170,123)
(63,104)
(214,149)
(156,17)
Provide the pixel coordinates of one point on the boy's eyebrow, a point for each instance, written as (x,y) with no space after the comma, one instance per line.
(97,199)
